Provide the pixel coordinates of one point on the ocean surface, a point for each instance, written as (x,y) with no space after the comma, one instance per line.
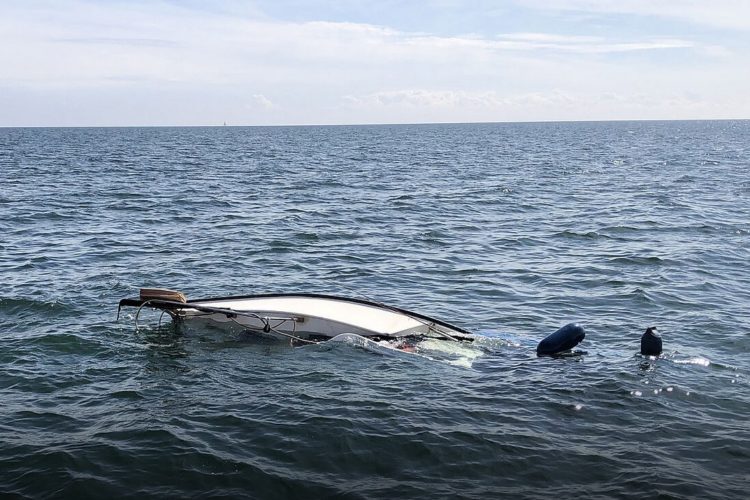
(509,230)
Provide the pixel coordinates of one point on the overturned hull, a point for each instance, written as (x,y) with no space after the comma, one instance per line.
(306,317)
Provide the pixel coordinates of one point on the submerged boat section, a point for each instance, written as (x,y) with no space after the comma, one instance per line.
(302,316)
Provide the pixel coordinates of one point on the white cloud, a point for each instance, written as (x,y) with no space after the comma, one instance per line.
(584,44)
(734,14)
(212,49)
(534,105)
(449,99)
(262,101)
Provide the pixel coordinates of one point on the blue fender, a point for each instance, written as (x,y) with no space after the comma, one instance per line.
(564,339)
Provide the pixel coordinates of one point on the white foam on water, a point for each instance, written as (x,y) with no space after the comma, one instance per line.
(462,354)
(697,360)
(352,339)
(443,351)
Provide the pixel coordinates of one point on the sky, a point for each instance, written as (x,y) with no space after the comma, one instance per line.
(193,62)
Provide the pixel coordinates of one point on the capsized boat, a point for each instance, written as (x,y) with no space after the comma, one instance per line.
(305,317)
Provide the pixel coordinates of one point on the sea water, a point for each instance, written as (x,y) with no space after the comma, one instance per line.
(509,230)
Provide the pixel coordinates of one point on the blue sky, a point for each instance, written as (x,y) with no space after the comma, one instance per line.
(89,63)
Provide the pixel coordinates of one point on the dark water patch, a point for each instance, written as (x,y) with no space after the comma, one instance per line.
(126,395)
(22,308)
(589,235)
(30,381)
(626,229)
(29,420)
(640,261)
(63,343)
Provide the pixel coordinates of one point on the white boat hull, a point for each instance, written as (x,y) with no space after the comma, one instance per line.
(305,316)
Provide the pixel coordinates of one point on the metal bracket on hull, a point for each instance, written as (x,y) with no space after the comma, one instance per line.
(173,308)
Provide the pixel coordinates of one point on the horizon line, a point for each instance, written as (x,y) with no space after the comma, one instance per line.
(386,124)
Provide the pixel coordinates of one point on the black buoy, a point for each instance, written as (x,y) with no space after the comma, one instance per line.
(651,342)
(564,339)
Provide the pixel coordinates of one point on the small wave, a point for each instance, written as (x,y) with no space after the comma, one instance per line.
(307,236)
(126,394)
(281,246)
(686,179)
(638,294)
(588,235)
(622,229)
(46,419)
(48,215)
(25,307)
(644,261)
(433,236)
(66,343)
(471,271)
